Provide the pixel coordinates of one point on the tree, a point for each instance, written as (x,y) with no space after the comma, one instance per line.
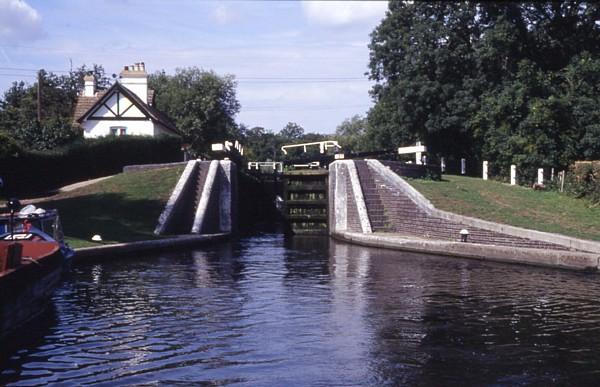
(351,134)
(48,134)
(291,132)
(488,80)
(201,103)
(261,145)
(18,108)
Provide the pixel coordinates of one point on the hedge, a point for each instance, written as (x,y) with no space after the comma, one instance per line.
(35,172)
(583,181)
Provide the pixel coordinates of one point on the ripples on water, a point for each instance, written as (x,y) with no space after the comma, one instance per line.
(309,311)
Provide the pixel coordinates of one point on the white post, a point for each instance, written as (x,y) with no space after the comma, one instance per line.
(463,166)
(485,170)
(540,176)
(513,174)
(418,154)
(552,174)
(443,164)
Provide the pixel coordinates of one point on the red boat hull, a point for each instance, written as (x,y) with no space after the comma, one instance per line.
(26,290)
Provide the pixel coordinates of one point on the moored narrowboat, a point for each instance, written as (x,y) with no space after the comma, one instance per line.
(33,255)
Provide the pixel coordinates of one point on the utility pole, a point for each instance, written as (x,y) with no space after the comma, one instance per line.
(39,97)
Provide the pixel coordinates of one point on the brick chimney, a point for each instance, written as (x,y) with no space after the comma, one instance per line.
(135,78)
(89,85)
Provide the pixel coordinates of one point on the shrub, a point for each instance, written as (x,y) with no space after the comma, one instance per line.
(29,172)
(8,146)
(583,180)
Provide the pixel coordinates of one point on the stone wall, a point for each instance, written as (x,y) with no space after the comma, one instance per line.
(204,200)
(386,203)
(345,198)
(406,217)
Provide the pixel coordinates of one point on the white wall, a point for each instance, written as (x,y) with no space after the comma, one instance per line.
(94,128)
(139,86)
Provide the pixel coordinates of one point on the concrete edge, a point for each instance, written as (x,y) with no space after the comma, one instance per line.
(225,203)
(559,239)
(144,167)
(337,200)
(130,247)
(165,216)
(392,178)
(74,186)
(570,260)
(359,199)
(205,197)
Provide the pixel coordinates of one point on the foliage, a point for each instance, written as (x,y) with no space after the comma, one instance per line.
(512,83)
(262,145)
(291,132)
(583,181)
(8,146)
(29,171)
(49,134)
(201,103)
(351,134)
(18,108)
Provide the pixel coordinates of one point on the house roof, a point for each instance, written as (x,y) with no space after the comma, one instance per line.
(86,105)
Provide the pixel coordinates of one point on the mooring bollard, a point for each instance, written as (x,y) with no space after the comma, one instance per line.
(464,235)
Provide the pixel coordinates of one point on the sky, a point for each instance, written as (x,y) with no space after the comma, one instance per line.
(294,61)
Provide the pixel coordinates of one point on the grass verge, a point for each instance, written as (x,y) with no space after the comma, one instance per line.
(124,208)
(547,211)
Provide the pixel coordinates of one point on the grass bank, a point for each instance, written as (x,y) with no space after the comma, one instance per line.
(123,208)
(518,206)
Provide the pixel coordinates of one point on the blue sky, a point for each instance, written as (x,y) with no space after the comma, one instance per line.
(294,61)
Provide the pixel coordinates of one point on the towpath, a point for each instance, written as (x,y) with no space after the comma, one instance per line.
(64,191)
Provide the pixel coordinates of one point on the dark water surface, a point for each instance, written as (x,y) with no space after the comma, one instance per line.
(309,311)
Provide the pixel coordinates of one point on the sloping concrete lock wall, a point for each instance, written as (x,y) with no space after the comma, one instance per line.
(204,200)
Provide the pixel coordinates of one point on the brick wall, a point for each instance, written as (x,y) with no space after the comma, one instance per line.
(393,211)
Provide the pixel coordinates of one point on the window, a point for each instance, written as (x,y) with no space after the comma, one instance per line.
(118,130)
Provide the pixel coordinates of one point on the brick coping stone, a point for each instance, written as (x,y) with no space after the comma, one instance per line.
(175,242)
(561,259)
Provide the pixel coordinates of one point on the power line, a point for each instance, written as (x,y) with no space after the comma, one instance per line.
(304,81)
(300,108)
(32,70)
(304,78)
(18,75)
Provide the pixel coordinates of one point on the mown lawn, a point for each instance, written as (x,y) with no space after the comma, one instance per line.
(518,206)
(124,208)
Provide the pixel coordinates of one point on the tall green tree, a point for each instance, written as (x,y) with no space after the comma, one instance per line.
(261,144)
(19,106)
(351,134)
(291,132)
(201,103)
(489,80)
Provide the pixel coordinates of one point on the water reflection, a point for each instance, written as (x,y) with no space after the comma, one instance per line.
(269,310)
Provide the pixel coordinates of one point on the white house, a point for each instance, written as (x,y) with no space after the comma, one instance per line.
(126,108)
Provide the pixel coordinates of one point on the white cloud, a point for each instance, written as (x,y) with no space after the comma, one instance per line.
(19,21)
(343,13)
(223,14)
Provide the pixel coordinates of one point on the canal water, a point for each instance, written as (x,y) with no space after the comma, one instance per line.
(271,311)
